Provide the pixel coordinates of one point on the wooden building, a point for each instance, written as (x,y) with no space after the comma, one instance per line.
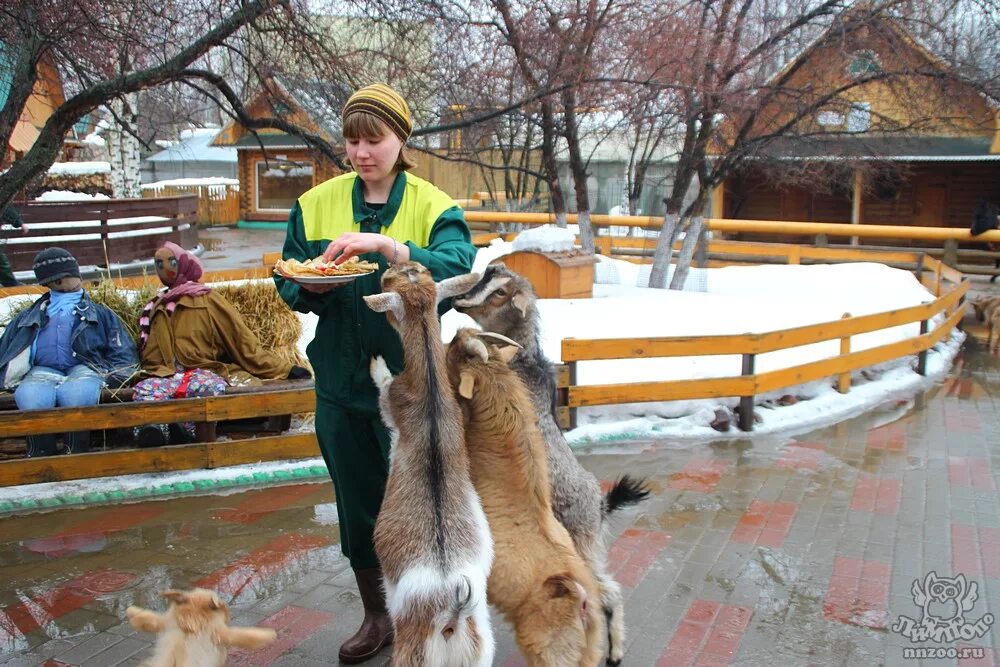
(920,149)
(46,96)
(273,167)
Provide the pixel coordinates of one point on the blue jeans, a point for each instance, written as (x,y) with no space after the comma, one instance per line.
(44,387)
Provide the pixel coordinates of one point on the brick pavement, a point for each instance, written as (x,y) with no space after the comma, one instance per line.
(769,550)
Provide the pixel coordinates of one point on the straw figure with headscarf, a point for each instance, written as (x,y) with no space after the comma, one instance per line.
(193,342)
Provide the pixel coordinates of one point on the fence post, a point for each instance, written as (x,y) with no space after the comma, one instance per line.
(104,236)
(572,383)
(844,379)
(950,253)
(922,357)
(746,402)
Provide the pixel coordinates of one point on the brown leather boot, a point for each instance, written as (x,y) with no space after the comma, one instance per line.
(376,629)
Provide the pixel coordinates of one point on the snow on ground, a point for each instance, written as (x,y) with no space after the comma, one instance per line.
(737,300)
(77,168)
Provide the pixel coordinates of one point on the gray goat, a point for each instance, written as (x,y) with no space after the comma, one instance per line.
(504,302)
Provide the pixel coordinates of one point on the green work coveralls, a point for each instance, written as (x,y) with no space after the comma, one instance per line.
(354,442)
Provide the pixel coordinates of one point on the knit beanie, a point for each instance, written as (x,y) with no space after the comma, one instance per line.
(385,104)
(52,264)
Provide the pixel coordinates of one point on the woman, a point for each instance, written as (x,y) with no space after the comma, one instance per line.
(194,343)
(381,214)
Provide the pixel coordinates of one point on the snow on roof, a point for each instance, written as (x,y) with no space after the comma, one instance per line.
(191,182)
(77,168)
(195,146)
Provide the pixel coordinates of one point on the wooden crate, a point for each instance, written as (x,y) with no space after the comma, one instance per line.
(563,275)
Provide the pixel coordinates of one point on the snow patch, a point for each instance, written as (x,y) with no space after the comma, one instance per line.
(547,238)
(67,195)
(79,168)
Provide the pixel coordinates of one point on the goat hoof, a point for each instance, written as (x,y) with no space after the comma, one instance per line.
(613,662)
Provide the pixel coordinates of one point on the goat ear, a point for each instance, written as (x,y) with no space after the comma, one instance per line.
(177,597)
(559,585)
(508,352)
(386,301)
(450,287)
(466,385)
(521,302)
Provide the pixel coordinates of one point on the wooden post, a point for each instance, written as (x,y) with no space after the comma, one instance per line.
(719,200)
(746,402)
(795,254)
(950,253)
(104,236)
(857,191)
(844,379)
(572,383)
(922,357)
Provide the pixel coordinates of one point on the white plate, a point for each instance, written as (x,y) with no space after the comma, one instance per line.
(326,280)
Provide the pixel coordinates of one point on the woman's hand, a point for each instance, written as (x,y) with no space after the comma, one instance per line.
(351,244)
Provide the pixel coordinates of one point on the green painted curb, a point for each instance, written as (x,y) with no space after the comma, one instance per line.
(199,486)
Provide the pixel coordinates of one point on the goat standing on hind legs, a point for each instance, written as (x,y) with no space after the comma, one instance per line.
(504,302)
(431,535)
(538,580)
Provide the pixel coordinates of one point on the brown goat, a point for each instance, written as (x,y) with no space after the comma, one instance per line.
(431,535)
(538,581)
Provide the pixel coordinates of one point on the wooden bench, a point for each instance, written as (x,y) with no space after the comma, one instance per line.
(282,397)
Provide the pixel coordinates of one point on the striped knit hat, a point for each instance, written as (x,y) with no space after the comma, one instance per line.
(385,104)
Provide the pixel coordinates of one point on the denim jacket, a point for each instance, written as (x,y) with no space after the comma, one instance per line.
(100,341)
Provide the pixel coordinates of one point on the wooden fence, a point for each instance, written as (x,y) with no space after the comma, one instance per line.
(948,285)
(105,231)
(956,247)
(217,204)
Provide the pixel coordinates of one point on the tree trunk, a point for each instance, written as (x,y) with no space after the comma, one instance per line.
(663,252)
(579,172)
(549,166)
(124,149)
(687,252)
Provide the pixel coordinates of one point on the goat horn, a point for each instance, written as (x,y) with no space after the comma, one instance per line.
(499,337)
(450,287)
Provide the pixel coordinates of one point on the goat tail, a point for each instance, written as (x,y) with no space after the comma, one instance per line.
(626,492)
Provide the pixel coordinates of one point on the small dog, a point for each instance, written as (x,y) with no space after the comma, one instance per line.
(987,310)
(195,630)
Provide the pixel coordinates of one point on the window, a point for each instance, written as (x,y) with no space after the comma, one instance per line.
(280,182)
(863,63)
(859,118)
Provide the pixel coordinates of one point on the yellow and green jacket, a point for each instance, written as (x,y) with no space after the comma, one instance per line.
(349,333)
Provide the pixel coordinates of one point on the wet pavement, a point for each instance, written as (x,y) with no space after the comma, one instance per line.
(773,550)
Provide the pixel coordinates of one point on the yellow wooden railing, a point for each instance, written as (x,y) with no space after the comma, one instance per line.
(948,285)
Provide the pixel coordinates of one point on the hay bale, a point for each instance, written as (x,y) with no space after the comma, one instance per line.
(268,316)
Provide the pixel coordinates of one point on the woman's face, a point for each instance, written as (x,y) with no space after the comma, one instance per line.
(166,266)
(374,158)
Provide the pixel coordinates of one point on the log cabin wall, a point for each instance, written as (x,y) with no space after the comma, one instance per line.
(929,194)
